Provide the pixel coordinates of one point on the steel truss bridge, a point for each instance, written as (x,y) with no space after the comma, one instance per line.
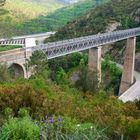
(61,48)
(64,47)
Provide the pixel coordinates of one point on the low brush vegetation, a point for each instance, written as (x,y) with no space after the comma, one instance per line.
(46,107)
(10,47)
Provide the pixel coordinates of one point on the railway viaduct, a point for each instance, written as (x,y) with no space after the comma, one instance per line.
(93,43)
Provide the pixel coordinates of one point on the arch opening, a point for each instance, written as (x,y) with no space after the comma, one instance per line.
(16,70)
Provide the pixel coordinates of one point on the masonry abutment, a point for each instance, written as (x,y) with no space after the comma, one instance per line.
(128,68)
(29,43)
(94,61)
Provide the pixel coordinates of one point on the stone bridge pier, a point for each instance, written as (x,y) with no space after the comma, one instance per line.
(94,61)
(128,68)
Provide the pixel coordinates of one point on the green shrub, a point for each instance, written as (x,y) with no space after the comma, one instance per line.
(20,129)
(38,63)
(4,74)
(88,80)
(24,95)
(10,47)
(111,75)
(133,129)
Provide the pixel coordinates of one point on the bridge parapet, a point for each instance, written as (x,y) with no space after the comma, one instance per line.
(15,42)
(21,40)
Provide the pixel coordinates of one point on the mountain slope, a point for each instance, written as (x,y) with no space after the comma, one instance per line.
(31,8)
(126,12)
(31,16)
(58,18)
(18,11)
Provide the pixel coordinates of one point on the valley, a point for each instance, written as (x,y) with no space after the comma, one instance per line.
(66,84)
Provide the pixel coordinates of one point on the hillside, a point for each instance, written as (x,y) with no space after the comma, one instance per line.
(18,11)
(57,19)
(31,8)
(19,21)
(126,12)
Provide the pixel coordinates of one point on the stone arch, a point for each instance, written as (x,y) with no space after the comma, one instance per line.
(17,70)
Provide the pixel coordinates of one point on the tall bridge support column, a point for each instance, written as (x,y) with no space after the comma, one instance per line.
(128,68)
(94,61)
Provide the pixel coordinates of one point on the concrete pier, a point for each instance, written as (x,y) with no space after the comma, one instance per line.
(94,61)
(128,68)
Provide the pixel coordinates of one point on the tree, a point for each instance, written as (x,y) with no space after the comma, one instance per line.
(61,76)
(38,64)
(111,75)
(88,80)
(4,74)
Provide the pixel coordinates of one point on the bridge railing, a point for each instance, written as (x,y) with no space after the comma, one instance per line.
(20,42)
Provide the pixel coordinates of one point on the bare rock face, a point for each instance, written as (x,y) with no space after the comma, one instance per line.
(137,62)
(112,26)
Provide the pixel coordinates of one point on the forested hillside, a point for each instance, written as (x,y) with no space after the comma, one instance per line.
(18,11)
(59,18)
(126,12)
(21,18)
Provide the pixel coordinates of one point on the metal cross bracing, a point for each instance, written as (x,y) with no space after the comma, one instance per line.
(61,48)
(20,42)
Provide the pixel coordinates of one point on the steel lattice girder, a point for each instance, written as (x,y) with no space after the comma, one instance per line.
(60,48)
